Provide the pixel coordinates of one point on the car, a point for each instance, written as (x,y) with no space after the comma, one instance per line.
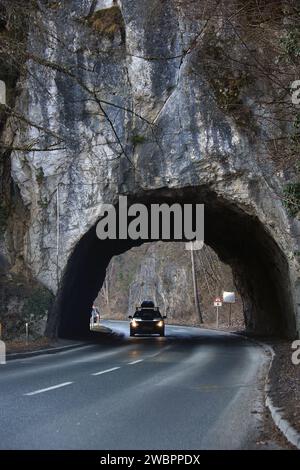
(147,320)
(95,316)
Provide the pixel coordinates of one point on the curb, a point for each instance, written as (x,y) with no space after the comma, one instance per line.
(289,432)
(38,352)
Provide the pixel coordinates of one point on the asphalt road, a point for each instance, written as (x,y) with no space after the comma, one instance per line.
(193,389)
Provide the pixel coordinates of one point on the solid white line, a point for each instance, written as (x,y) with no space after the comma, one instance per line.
(47,389)
(135,362)
(105,371)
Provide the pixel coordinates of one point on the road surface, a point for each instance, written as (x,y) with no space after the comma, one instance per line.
(193,389)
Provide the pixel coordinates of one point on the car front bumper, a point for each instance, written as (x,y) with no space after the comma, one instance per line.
(145,328)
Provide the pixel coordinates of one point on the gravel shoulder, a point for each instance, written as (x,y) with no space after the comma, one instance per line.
(284,381)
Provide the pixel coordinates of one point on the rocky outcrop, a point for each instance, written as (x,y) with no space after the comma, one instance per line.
(140,98)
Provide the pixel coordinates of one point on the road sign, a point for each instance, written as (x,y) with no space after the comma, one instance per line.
(228,297)
(217,302)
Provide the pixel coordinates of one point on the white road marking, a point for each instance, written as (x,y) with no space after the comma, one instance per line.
(42,390)
(135,362)
(105,371)
(159,352)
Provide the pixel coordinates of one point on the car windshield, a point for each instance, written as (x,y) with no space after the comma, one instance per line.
(147,314)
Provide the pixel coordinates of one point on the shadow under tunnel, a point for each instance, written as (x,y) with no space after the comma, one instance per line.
(259,267)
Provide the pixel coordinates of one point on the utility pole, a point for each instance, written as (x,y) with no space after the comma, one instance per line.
(229,317)
(57,235)
(196,297)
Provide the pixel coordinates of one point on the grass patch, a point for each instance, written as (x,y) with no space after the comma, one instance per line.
(15,346)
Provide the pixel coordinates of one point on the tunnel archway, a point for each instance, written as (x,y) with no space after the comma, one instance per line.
(258,264)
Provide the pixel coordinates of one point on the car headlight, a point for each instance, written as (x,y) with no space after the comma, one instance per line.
(134,323)
(160,323)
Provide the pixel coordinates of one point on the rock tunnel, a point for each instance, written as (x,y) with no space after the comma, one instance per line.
(259,267)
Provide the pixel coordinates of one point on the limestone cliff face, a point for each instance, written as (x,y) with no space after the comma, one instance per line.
(123,102)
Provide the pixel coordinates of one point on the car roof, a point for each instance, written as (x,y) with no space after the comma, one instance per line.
(147,303)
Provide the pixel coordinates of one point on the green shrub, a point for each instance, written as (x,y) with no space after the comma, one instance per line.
(291,43)
(292,198)
(138,139)
(37,305)
(40,176)
(43,203)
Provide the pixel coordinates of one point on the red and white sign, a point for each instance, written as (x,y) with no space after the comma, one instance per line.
(217,302)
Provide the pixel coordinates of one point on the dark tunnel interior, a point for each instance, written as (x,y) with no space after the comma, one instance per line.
(259,267)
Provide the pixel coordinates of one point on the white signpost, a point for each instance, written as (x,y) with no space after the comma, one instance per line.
(217,304)
(26,332)
(229,298)
(2,348)
(2,92)
(2,352)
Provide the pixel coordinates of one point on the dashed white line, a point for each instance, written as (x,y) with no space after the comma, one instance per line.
(135,362)
(105,371)
(166,348)
(42,390)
